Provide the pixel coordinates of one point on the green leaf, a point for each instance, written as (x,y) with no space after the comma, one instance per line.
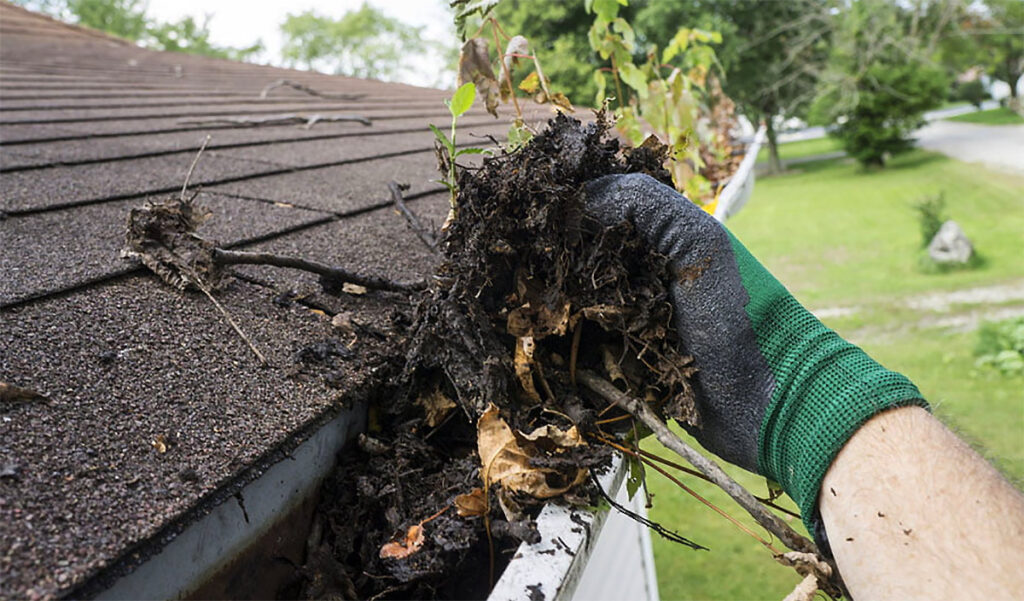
(463,99)
(463,151)
(606,9)
(441,137)
(635,479)
(634,78)
(601,82)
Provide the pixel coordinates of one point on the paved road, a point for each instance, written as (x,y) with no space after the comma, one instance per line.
(998,146)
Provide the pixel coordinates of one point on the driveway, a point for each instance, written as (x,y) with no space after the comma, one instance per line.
(998,146)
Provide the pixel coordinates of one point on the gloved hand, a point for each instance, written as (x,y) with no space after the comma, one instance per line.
(778,392)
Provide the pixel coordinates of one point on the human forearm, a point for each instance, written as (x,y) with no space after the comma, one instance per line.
(912,512)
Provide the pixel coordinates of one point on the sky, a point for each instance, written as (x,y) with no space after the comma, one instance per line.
(241,22)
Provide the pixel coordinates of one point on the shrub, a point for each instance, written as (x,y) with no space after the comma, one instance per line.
(1001,346)
(971,91)
(930,215)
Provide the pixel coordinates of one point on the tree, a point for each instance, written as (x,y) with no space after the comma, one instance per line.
(879,81)
(772,53)
(190,37)
(127,19)
(1001,36)
(123,18)
(362,43)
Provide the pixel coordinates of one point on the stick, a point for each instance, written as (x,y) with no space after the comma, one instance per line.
(326,272)
(224,312)
(765,518)
(287,83)
(425,235)
(309,120)
(192,167)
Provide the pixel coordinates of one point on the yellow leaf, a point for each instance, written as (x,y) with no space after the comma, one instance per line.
(530,84)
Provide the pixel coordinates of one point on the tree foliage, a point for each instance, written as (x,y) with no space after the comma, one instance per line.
(362,43)
(772,53)
(1001,37)
(123,18)
(880,81)
(127,19)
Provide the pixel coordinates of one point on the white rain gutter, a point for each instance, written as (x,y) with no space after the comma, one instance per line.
(737,192)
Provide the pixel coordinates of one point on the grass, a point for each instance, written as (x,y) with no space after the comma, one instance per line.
(803,148)
(996,116)
(839,236)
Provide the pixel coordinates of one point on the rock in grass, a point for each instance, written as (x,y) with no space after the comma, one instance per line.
(950,245)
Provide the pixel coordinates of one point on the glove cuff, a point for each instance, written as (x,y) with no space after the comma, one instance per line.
(826,388)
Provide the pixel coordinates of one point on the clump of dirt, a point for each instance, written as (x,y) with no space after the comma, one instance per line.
(485,422)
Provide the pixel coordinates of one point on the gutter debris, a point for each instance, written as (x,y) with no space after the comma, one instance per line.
(484,410)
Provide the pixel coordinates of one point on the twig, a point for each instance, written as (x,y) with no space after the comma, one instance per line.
(287,83)
(246,121)
(768,520)
(192,167)
(663,531)
(693,472)
(694,494)
(227,316)
(426,236)
(328,274)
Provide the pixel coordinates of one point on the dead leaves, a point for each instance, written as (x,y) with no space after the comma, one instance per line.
(475,66)
(506,457)
(472,504)
(411,542)
(161,234)
(406,546)
(436,405)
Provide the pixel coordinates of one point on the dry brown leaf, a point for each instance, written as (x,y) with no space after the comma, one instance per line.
(523,363)
(607,316)
(540,321)
(475,66)
(472,504)
(436,405)
(561,101)
(505,457)
(400,549)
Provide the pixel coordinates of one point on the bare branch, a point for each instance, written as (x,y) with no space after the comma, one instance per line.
(428,237)
(767,519)
(246,121)
(330,276)
(287,83)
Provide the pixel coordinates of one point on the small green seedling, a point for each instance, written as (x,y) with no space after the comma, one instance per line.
(460,102)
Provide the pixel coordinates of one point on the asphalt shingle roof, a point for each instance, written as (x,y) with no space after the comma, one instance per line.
(91,126)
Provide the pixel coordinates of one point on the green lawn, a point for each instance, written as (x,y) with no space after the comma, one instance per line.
(998,116)
(839,236)
(803,148)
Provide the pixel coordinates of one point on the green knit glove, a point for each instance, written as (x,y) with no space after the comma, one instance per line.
(778,392)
